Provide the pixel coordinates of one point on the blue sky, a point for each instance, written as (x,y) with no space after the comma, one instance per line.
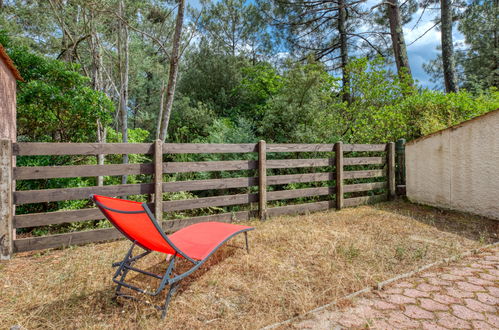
(421,51)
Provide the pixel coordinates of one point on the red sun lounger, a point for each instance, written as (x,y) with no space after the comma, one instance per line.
(196,243)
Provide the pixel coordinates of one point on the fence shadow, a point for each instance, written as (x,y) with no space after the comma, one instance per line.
(473,227)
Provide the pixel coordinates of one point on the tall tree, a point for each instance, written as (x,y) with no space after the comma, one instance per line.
(398,41)
(448,60)
(123,56)
(172,74)
(328,29)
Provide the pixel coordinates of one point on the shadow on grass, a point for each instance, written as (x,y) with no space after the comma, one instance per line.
(473,227)
(101,305)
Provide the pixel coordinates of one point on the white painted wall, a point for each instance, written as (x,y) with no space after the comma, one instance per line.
(457,168)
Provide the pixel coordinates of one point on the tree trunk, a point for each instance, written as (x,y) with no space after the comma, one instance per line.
(123,103)
(398,42)
(448,60)
(172,74)
(97,84)
(342,16)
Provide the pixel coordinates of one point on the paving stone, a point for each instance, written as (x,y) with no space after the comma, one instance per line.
(415,312)
(450,277)
(404,285)
(400,299)
(426,274)
(450,321)
(427,287)
(383,305)
(459,293)
(469,287)
(479,281)
(494,272)
(381,324)
(478,306)
(351,320)
(493,320)
(398,320)
(482,325)
(431,326)
(487,299)
(492,258)
(431,305)
(480,266)
(487,276)
(494,291)
(438,281)
(466,271)
(445,299)
(413,293)
(393,290)
(466,313)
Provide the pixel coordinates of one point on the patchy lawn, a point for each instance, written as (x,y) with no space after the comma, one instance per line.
(296,263)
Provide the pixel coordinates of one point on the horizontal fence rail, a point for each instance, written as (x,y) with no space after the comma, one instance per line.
(341,179)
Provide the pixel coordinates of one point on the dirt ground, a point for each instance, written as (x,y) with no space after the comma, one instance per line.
(295,264)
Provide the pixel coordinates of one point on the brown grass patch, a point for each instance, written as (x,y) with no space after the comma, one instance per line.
(295,264)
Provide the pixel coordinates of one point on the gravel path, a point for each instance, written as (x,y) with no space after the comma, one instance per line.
(463,295)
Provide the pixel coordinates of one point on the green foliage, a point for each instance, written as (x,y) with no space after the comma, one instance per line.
(56,103)
(303,110)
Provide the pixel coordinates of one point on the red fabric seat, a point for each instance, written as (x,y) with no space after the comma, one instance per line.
(198,240)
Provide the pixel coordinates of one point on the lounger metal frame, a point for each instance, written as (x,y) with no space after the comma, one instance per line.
(169,278)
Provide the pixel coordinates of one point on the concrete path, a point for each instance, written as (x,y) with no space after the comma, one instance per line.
(462,295)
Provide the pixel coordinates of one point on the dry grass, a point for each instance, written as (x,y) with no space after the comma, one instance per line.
(295,264)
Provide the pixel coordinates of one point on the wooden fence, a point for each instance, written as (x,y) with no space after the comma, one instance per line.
(344,167)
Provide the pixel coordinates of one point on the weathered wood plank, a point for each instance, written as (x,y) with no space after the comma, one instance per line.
(42,148)
(364,147)
(6,207)
(363,174)
(52,218)
(170,226)
(64,240)
(300,208)
(356,201)
(196,185)
(99,235)
(205,148)
(364,186)
(262,180)
(390,160)
(300,178)
(296,193)
(225,165)
(338,147)
(73,171)
(289,147)
(54,195)
(296,163)
(196,203)
(363,161)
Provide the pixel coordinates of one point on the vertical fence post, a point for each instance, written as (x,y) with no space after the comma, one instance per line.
(390,148)
(262,180)
(400,164)
(6,207)
(338,155)
(158,180)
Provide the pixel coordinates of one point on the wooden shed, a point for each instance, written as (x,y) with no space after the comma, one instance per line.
(8,76)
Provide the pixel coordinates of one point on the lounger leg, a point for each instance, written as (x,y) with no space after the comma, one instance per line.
(246,238)
(122,269)
(169,295)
